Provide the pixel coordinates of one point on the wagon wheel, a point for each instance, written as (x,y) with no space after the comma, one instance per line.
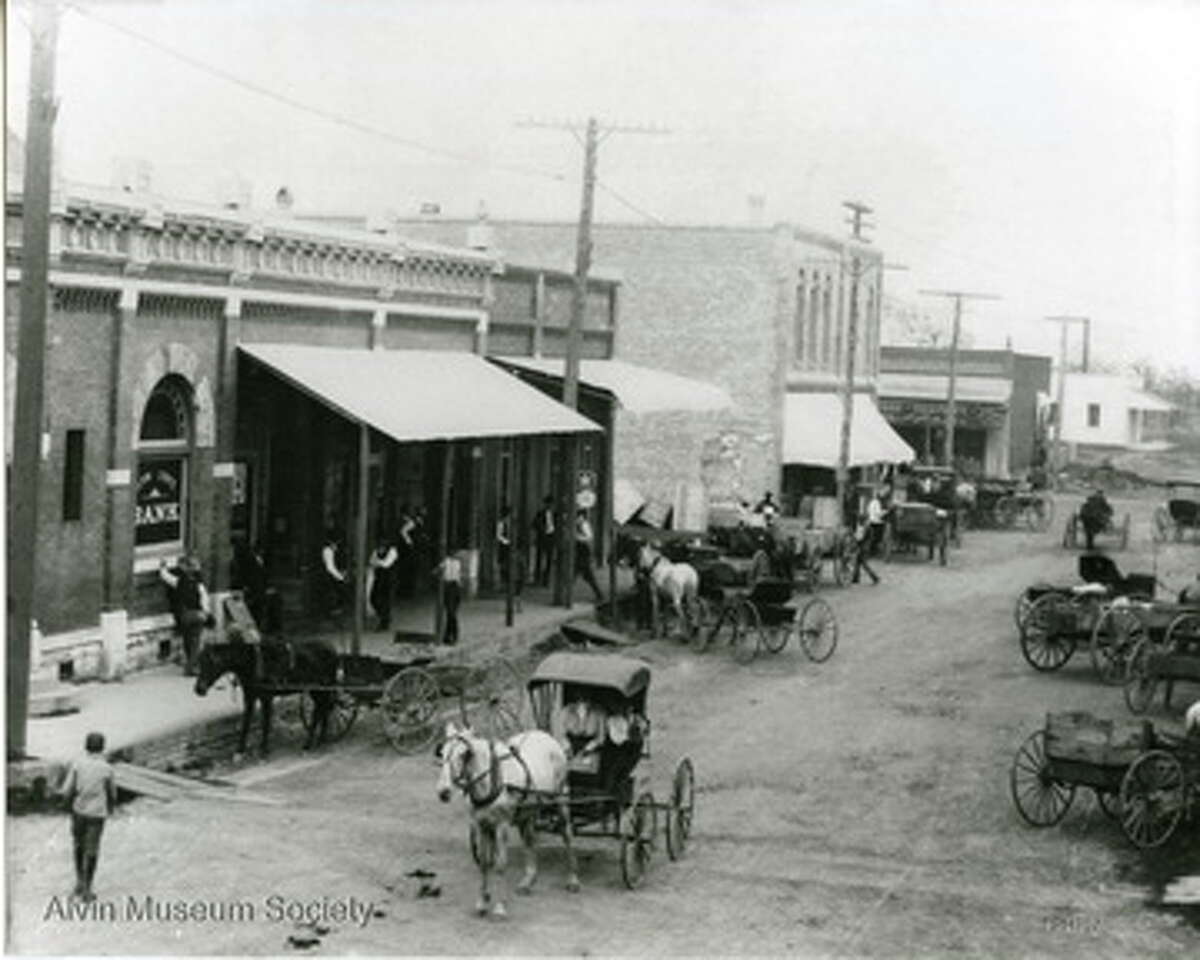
(1153,798)
(1182,632)
(1140,682)
(817,628)
(637,840)
(775,634)
(1116,633)
(683,807)
(491,697)
(843,561)
(1040,800)
(1025,600)
(1004,513)
(1045,646)
(747,632)
(1110,803)
(410,706)
(1040,514)
(342,714)
(1123,541)
(1161,527)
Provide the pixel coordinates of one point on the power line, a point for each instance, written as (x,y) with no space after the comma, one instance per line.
(629,204)
(320,112)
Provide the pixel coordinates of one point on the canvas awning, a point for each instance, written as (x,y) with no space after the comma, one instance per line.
(413,395)
(812,431)
(638,389)
(921,386)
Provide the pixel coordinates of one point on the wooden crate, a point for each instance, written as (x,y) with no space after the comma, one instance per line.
(1080,736)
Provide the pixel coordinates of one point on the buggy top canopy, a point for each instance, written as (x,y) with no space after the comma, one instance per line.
(623,675)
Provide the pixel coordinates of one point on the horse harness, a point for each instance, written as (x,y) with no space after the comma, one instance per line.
(467,784)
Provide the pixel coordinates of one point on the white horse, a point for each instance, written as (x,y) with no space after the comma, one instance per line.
(677,582)
(496,776)
(1191,720)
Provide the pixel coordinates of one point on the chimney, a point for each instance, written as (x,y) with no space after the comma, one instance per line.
(284,201)
(480,235)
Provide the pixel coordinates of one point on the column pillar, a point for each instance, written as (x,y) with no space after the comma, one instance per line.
(220,550)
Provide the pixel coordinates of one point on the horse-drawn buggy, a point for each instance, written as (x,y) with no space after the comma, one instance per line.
(1165,650)
(941,487)
(1147,779)
(578,773)
(1095,518)
(1180,515)
(1053,620)
(1003,503)
(913,525)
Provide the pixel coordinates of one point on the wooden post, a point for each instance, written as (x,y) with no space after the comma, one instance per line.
(443,539)
(360,536)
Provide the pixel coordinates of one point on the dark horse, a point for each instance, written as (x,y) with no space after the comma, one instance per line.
(270,669)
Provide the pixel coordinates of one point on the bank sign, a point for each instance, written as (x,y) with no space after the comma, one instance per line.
(158,511)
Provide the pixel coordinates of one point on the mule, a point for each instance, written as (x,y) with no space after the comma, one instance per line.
(496,776)
(676,582)
(270,669)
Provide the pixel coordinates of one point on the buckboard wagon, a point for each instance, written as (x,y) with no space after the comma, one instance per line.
(1166,650)
(1148,780)
(610,795)
(414,693)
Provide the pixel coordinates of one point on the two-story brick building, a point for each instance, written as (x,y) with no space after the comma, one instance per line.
(760,311)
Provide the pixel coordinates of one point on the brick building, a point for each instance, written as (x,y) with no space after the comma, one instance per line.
(996,430)
(189,402)
(760,311)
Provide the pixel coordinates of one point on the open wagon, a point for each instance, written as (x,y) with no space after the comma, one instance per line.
(1149,780)
(913,525)
(1054,620)
(609,787)
(1114,530)
(1166,650)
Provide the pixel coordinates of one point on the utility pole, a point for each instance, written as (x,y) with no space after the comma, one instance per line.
(1064,322)
(951,413)
(592,137)
(31,363)
(857,212)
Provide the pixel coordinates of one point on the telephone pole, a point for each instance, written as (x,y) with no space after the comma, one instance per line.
(951,413)
(592,136)
(1064,322)
(31,364)
(857,225)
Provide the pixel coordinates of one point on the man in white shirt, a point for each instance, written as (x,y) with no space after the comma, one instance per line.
(333,576)
(584,539)
(449,573)
(876,517)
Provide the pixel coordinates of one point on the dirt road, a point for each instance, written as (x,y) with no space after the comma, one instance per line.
(855,808)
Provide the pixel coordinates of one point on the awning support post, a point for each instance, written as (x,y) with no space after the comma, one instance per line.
(360,537)
(439,612)
(510,573)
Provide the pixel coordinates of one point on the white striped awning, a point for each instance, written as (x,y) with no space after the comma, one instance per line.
(812,432)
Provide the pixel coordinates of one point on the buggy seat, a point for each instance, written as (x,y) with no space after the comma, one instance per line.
(1100,568)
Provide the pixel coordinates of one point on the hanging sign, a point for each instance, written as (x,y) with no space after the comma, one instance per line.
(158,510)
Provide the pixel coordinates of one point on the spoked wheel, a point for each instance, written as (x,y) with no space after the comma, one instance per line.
(775,635)
(747,632)
(1152,799)
(1040,514)
(1183,633)
(1040,800)
(1004,513)
(342,714)
(1116,633)
(1140,682)
(1045,645)
(1162,525)
(817,630)
(637,840)
(491,697)
(683,806)
(1025,601)
(410,706)
(843,561)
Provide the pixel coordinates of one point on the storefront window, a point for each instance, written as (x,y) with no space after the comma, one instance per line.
(161,491)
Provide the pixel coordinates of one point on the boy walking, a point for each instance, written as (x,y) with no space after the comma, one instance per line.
(90,788)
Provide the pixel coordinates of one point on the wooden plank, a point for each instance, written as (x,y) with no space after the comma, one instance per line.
(160,785)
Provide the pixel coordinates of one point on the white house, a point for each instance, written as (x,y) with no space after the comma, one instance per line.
(1109,410)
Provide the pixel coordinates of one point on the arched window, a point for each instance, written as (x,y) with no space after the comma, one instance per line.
(164,445)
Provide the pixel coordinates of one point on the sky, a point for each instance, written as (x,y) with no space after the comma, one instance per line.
(1044,152)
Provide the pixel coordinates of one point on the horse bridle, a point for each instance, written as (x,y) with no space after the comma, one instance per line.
(467,783)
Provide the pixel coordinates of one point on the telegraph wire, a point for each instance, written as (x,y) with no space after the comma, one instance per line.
(324,114)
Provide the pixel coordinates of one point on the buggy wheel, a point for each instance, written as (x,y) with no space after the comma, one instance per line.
(1182,632)
(1140,683)
(342,714)
(410,706)
(683,806)
(1040,800)
(1040,514)
(1116,633)
(817,628)
(775,635)
(1153,798)
(637,840)
(490,698)
(747,632)
(1045,646)
(1025,600)
(1004,513)
(1161,527)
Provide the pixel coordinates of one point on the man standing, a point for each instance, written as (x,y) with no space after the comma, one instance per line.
(449,572)
(333,575)
(90,790)
(544,529)
(876,517)
(189,601)
(584,542)
(504,544)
